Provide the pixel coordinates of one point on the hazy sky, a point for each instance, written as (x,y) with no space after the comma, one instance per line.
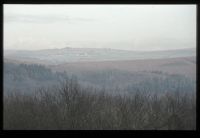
(133,27)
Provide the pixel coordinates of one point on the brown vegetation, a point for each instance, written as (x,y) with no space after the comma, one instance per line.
(73,107)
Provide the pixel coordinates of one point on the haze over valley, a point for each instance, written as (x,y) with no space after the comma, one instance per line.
(99,67)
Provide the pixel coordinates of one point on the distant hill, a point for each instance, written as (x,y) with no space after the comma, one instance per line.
(155,75)
(66,55)
(182,65)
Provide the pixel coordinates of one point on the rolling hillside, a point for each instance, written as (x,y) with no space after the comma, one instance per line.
(65,55)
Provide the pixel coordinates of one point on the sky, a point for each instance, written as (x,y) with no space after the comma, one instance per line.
(127,27)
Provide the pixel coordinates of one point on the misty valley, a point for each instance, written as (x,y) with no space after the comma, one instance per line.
(119,94)
(99,67)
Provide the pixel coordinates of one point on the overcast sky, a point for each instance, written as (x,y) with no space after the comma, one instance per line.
(132,27)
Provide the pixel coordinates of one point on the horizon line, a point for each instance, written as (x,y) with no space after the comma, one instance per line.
(99,48)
